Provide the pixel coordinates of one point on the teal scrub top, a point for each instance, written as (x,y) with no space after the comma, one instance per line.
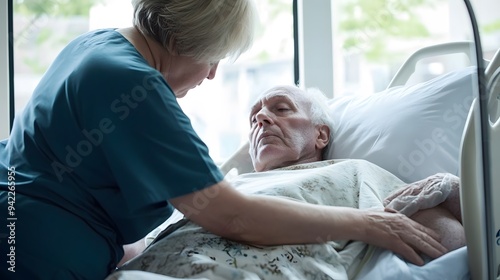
(104,139)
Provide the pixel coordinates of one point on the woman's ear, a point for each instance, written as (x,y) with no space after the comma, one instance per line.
(323,136)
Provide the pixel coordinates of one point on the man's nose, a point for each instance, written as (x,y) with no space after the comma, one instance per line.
(263,117)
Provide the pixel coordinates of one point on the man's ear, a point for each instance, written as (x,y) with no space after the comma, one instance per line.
(323,136)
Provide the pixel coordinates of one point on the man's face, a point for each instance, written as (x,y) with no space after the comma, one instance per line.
(282,132)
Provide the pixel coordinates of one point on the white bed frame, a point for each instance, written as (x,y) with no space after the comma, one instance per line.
(480,179)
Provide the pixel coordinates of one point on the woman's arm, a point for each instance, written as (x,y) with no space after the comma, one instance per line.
(269,220)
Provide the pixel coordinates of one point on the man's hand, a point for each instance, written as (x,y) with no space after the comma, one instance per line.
(423,194)
(401,235)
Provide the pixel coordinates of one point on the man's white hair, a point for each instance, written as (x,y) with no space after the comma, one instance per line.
(320,114)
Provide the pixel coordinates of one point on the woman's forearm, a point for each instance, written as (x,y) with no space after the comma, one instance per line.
(268,220)
(271,221)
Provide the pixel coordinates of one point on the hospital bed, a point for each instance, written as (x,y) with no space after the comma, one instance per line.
(437,129)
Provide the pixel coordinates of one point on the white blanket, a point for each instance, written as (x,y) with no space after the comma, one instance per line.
(387,266)
(191,252)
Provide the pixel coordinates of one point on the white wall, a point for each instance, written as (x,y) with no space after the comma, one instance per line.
(4,72)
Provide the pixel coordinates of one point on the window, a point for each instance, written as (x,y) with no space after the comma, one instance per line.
(373,38)
(217,108)
(5,69)
(346,47)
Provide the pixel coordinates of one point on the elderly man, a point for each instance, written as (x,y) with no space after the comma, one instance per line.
(288,137)
(289,127)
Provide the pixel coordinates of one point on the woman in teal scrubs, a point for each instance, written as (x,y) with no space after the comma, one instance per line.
(103,153)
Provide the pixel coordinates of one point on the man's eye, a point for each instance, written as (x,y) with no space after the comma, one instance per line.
(283,109)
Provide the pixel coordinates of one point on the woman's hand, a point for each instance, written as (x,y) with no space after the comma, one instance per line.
(423,194)
(398,233)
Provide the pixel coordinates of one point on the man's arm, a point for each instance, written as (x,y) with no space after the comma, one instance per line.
(445,224)
(267,220)
(452,202)
(439,189)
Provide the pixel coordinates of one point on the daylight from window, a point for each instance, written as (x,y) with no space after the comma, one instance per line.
(372,39)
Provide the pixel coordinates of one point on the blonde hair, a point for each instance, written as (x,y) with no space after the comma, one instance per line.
(206,30)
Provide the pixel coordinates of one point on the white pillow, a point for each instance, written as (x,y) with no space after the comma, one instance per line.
(412,132)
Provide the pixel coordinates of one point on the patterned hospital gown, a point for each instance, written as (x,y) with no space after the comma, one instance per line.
(191,251)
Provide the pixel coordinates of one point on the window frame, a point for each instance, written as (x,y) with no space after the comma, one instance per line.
(6,68)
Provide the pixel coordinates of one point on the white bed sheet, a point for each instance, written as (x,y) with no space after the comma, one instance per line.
(383,265)
(143,275)
(318,183)
(388,266)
